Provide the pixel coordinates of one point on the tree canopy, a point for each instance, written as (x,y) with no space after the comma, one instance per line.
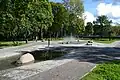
(102,25)
(27,19)
(24,18)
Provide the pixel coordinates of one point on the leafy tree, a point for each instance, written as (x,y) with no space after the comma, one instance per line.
(103,24)
(76,9)
(115,30)
(30,18)
(89,28)
(74,6)
(79,27)
(7,19)
(40,15)
(61,17)
(24,18)
(12,12)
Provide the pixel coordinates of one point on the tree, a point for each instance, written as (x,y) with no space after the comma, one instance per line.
(13,17)
(24,18)
(103,24)
(8,20)
(115,30)
(79,26)
(61,17)
(89,29)
(40,16)
(76,9)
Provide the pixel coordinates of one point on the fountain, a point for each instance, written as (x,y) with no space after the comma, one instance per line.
(70,40)
(76,42)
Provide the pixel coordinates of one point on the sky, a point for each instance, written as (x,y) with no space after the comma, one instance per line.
(93,8)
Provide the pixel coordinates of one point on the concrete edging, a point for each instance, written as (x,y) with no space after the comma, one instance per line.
(88,72)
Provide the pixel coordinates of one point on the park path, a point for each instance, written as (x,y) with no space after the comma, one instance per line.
(73,70)
(116,44)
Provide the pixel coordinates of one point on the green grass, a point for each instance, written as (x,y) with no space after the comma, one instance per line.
(10,43)
(102,40)
(107,41)
(105,71)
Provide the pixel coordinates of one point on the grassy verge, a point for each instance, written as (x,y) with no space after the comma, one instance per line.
(105,71)
(102,40)
(107,41)
(10,43)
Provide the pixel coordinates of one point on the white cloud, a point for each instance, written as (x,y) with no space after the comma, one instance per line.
(109,10)
(112,11)
(89,17)
(115,21)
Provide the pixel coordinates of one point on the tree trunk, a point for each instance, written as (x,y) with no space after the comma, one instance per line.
(13,40)
(64,33)
(26,41)
(57,34)
(36,38)
(109,37)
(54,35)
(41,33)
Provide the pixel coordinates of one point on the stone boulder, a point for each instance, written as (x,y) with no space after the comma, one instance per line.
(25,59)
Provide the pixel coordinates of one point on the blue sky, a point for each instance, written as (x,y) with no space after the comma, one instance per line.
(89,5)
(93,8)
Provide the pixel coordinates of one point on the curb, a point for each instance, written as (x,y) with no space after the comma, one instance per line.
(88,72)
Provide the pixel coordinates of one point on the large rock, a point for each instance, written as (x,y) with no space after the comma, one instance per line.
(25,59)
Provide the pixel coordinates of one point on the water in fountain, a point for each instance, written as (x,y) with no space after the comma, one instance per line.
(69,39)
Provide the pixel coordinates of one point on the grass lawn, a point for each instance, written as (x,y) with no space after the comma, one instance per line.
(105,71)
(102,40)
(105,41)
(10,43)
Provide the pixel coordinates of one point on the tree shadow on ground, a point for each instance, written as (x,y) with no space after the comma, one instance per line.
(83,54)
(91,54)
